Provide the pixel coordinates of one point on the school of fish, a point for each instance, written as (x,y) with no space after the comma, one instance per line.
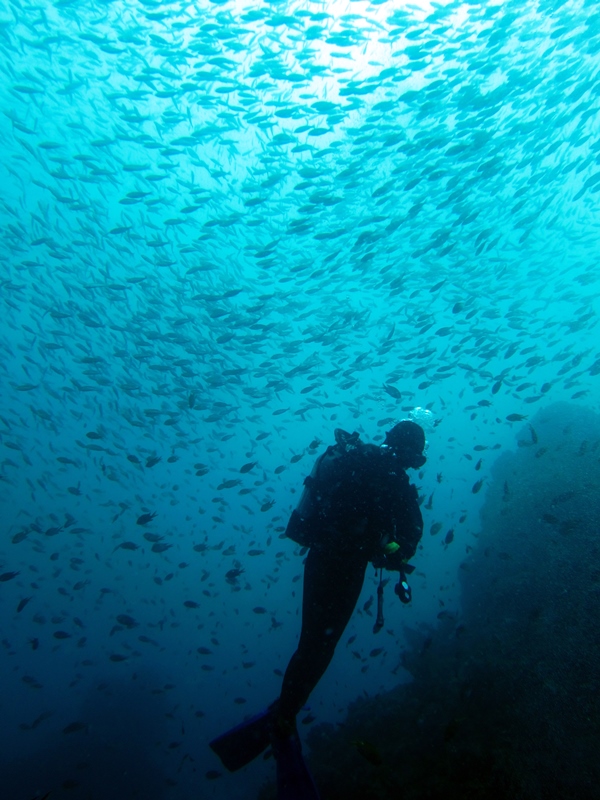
(226,229)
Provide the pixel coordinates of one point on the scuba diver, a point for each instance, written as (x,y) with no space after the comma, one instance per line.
(358,506)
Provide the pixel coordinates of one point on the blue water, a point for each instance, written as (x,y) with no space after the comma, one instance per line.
(226,228)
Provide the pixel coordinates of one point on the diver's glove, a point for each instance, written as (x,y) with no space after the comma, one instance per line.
(393,558)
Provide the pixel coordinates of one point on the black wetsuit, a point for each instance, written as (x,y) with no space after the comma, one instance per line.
(361,504)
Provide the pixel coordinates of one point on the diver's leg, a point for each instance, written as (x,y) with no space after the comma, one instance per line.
(332,586)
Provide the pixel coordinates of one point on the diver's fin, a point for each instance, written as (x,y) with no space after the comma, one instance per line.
(294,781)
(242,744)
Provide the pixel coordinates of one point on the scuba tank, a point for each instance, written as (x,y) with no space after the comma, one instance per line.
(318,486)
(307,510)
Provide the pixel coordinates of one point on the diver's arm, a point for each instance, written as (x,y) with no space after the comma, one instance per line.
(410,524)
(408,530)
(394,561)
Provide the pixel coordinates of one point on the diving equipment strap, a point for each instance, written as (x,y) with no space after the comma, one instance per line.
(379,622)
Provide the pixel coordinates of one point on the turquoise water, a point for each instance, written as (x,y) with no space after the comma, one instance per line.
(226,229)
